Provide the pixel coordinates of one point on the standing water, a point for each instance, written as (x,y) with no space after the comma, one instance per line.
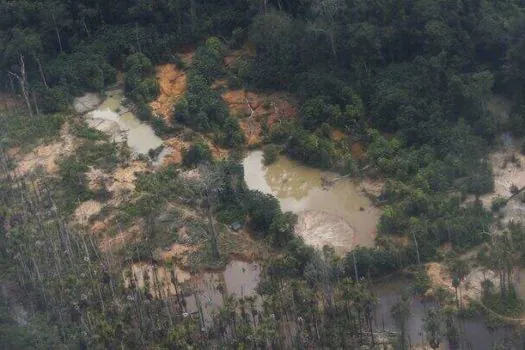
(338,215)
(116,120)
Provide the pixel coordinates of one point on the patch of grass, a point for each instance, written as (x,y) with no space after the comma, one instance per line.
(509,306)
(73,187)
(82,130)
(271,153)
(100,155)
(22,131)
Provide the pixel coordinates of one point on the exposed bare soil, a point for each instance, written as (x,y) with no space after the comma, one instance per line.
(86,210)
(256,109)
(172,82)
(47,156)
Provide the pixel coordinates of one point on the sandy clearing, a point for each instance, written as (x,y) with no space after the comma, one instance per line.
(319,228)
(469,288)
(86,210)
(47,156)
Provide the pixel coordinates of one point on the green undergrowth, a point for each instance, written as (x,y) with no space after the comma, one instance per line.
(18,131)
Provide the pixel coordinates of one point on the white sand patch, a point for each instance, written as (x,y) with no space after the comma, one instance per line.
(319,228)
(86,103)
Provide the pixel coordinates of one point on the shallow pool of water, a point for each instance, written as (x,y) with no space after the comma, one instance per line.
(115,119)
(339,215)
(204,292)
(473,333)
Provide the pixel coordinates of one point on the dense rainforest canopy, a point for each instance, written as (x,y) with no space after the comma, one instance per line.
(410,80)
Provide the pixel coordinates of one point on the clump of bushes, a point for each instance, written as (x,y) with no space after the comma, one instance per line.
(270,154)
(498,203)
(139,83)
(197,153)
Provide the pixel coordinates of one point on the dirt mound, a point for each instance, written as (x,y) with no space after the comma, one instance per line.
(319,228)
(172,82)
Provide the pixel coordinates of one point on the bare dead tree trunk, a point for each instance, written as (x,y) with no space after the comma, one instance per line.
(417,248)
(35,103)
(22,80)
(42,76)
(85,27)
(57,33)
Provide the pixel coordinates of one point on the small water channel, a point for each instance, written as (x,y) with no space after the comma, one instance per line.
(121,124)
(339,215)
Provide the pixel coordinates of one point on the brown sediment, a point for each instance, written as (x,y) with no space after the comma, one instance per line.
(254,110)
(178,146)
(172,83)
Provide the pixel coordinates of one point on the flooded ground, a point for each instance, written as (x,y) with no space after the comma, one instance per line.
(121,124)
(206,291)
(474,334)
(338,215)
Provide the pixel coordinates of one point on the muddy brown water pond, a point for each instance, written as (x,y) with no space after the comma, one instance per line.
(121,124)
(339,215)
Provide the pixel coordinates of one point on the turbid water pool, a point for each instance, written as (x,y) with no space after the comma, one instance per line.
(339,215)
(121,124)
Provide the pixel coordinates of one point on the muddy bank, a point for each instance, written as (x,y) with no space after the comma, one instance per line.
(340,215)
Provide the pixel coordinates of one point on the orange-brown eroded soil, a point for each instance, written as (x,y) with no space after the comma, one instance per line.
(254,109)
(172,82)
(177,146)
